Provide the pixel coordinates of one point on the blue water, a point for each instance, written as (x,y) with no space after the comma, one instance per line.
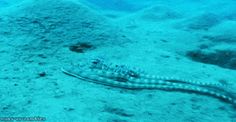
(118,60)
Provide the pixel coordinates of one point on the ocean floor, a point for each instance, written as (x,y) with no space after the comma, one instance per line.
(192,40)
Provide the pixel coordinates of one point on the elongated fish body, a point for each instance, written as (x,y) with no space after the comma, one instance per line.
(122,76)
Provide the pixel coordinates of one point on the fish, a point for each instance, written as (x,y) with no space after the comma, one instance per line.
(122,76)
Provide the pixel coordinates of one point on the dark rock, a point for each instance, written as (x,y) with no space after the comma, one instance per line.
(42,74)
(222,58)
(81,47)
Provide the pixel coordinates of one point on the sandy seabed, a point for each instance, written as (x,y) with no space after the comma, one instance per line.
(194,40)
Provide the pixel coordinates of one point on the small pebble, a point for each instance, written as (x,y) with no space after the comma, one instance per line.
(42,74)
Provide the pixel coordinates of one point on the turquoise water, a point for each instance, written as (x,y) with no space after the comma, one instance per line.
(118,60)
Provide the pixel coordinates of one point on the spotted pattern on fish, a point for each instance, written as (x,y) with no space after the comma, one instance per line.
(97,71)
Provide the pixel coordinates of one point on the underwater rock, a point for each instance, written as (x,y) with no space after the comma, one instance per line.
(42,74)
(221,58)
(81,47)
